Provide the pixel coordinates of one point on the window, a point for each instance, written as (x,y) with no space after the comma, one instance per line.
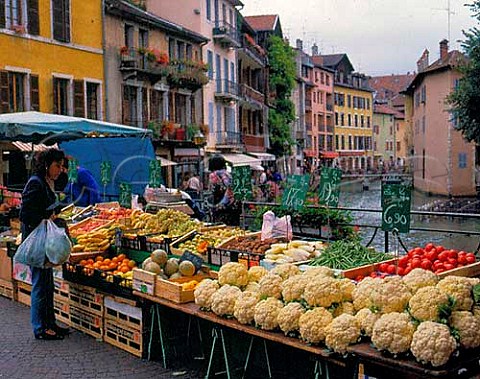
(336,142)
(61,20)
(350,143)
(462,160)
(336,118)
(209,10)
(362,121)
(316,76)
(327,80)
(143,38)
(424,95)
(78,98)
(391,130)
(356,121)
(349,101)
(349,120)
(399,145)
(189,49)
(210,64)
(13,12)
(129,105)
(128,35)
(342,119)
(13,92)
(368,103)
(343,142)
(93,101)
(218,72)
(61,96)
(322,78)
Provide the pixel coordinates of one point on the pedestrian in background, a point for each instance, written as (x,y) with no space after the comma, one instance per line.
(84,191)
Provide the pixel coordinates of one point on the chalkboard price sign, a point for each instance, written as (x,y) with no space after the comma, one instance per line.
(105,172)
(72,170)
(242,182)
(295,191)
(330,179)
(125,195)
(154,174)
(396,202)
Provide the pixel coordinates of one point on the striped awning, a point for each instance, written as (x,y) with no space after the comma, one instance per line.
(29,147)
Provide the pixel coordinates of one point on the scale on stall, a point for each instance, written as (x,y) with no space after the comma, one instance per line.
(169,200)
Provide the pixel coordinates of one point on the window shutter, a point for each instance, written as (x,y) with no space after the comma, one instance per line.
(61,20)
(34,93)
(126,117)
(4,92)
(66,20)
(145,102)
(33,22)
(2,13)
(155,105)
(78,98)
(55,96)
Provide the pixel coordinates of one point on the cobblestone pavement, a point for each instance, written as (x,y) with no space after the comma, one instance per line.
(77,356)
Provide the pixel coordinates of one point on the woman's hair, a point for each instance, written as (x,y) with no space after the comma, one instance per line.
(217,162)
(45,158)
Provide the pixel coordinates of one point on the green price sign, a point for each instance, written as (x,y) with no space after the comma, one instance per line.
(242,182)
(125,195)
(72,170)
(295,191)
(154,173)
(329,191)
(396,202)
(105,172)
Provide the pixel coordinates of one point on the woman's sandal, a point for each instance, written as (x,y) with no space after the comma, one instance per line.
(49,335)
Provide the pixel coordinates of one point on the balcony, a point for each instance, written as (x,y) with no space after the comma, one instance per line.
(300,134)
(187,74)
(143,64)
(254,143)
(227,90)
(227,139)
(255,52)
(252,96)
(308,105)
(226,34)
(308,125)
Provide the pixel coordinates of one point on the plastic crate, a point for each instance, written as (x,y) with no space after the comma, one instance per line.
(218,257)
(164,245)
(138,243)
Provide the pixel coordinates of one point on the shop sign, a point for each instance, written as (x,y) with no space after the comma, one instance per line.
(396,203)
(242,182)
(329,191)
(295,192)
(125,199)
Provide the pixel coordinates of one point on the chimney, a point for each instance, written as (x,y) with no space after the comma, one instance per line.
(422,63)
(443,49)
(314,50)
(299,44)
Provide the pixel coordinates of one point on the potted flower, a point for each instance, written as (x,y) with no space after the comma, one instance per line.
(168,129)
(124,50)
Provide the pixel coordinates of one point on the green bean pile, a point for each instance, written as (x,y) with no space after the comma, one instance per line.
(344,255)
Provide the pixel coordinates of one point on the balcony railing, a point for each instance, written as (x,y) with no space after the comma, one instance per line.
(253,50)
(227,138)
(248,93)
(187,74)
(254,143)
(300,134)
(226,34)
(227,90)
(143,63)
(330,107)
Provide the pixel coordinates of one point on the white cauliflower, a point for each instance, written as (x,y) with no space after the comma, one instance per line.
(428,304)
(393,332)
(204,292)
(271,286)
(468,328)
(476,311)
(312,324)
(266,312)
(322,291)
(293,287)
(223,300)
(255,273)
(252,287)
(392,295)
(361,293)
(418,278)
(289,317)
(319,271)
(433,343)
(344,307)
(233,273)
(286,270)
(244,309)
(460,289)
(367,320)
(341,332)
(347,287)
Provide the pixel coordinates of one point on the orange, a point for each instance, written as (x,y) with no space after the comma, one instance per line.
(121,257)
(99,258)
(124,269)
(132,264)
(115,259)
(112,266)
(125,261)
(90,261)
(96,265)
(83,262)
(107,261)
(104,267)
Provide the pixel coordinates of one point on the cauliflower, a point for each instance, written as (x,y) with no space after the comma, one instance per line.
(347,287)
(233,273)
(468,328)
(293,287)
(286,270)
(204,292)
(476,311)
(312,324)
(341,308)
(418,278)
(289,316)
(223,300)
(392,295)
(252,287)
(244,309)
(460,289)
(393,332)
(427,304)
(341,332)
(266,312)
(255,273)
(367,320)
(319,271)
(433,343)
(271,285)
(361,293)
(322,291)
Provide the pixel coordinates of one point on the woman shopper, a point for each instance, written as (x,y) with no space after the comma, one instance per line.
(38,197)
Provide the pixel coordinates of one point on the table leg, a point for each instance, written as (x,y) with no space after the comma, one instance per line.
(212,351)
(155,311)
(216,335)
(318,369)
(160,330)
(202,356)
(248,357)
(225,356)
(267,359)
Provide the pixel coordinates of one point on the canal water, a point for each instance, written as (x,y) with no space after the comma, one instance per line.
(353,196)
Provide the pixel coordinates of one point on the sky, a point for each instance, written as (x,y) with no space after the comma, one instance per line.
(381,37)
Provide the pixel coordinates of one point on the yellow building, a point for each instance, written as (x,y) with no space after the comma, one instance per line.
(51,57)
(353,114)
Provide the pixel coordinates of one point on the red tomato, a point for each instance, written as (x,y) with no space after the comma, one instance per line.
(419,251)
(429,246)
(452,261)
(426,264)
(359,278)
(440,248)
(383,267)
(461,252)
(403,261)
(391,269)
(437,266)
(443,256)
(439,271)
(470,257)
(373,274)
(432,255)
(416,262)
(462,258)
(383,275)
(448,266)
(400,271)
(411,252)
(460,265)
(407,270)
(453,254)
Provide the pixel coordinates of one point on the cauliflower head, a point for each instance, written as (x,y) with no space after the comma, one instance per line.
(433,343)
(233,273)
(427,303)
(343,308)
(286,270)
(367,320)
(393,332)
(322,291)
(255,273)
(293,287)
(271,286)
(347,287)
(418,278)
(341,332)
(460,288)
(244,308)
(468,328)
(312,324)
(223,300)
(289,316)
(391,295)
(252,287)
(319,271)
(266,313)
(204,292)
(361,293)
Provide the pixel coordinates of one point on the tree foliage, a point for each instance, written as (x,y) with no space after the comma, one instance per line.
(465,99)
(282,81)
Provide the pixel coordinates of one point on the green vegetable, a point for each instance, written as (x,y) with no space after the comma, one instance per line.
(344,255)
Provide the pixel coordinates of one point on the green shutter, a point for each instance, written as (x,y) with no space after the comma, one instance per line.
(33,21)
(34,93)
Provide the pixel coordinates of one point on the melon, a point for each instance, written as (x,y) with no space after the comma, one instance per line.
(171,267)
(153,267)
(176,275)
(186,268)
(159,256)
(145,262)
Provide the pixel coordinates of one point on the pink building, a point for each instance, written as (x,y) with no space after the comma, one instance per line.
(443,163)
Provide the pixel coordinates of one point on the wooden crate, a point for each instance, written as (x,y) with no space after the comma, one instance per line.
(173,291)
(6,288)
(144,281)
(469,271)
(62,290)
(5,265)
(61,308)
(124,311)
(174,245)
(87,298)
(104,223)
(24,292)
(85,321)
(124,337)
